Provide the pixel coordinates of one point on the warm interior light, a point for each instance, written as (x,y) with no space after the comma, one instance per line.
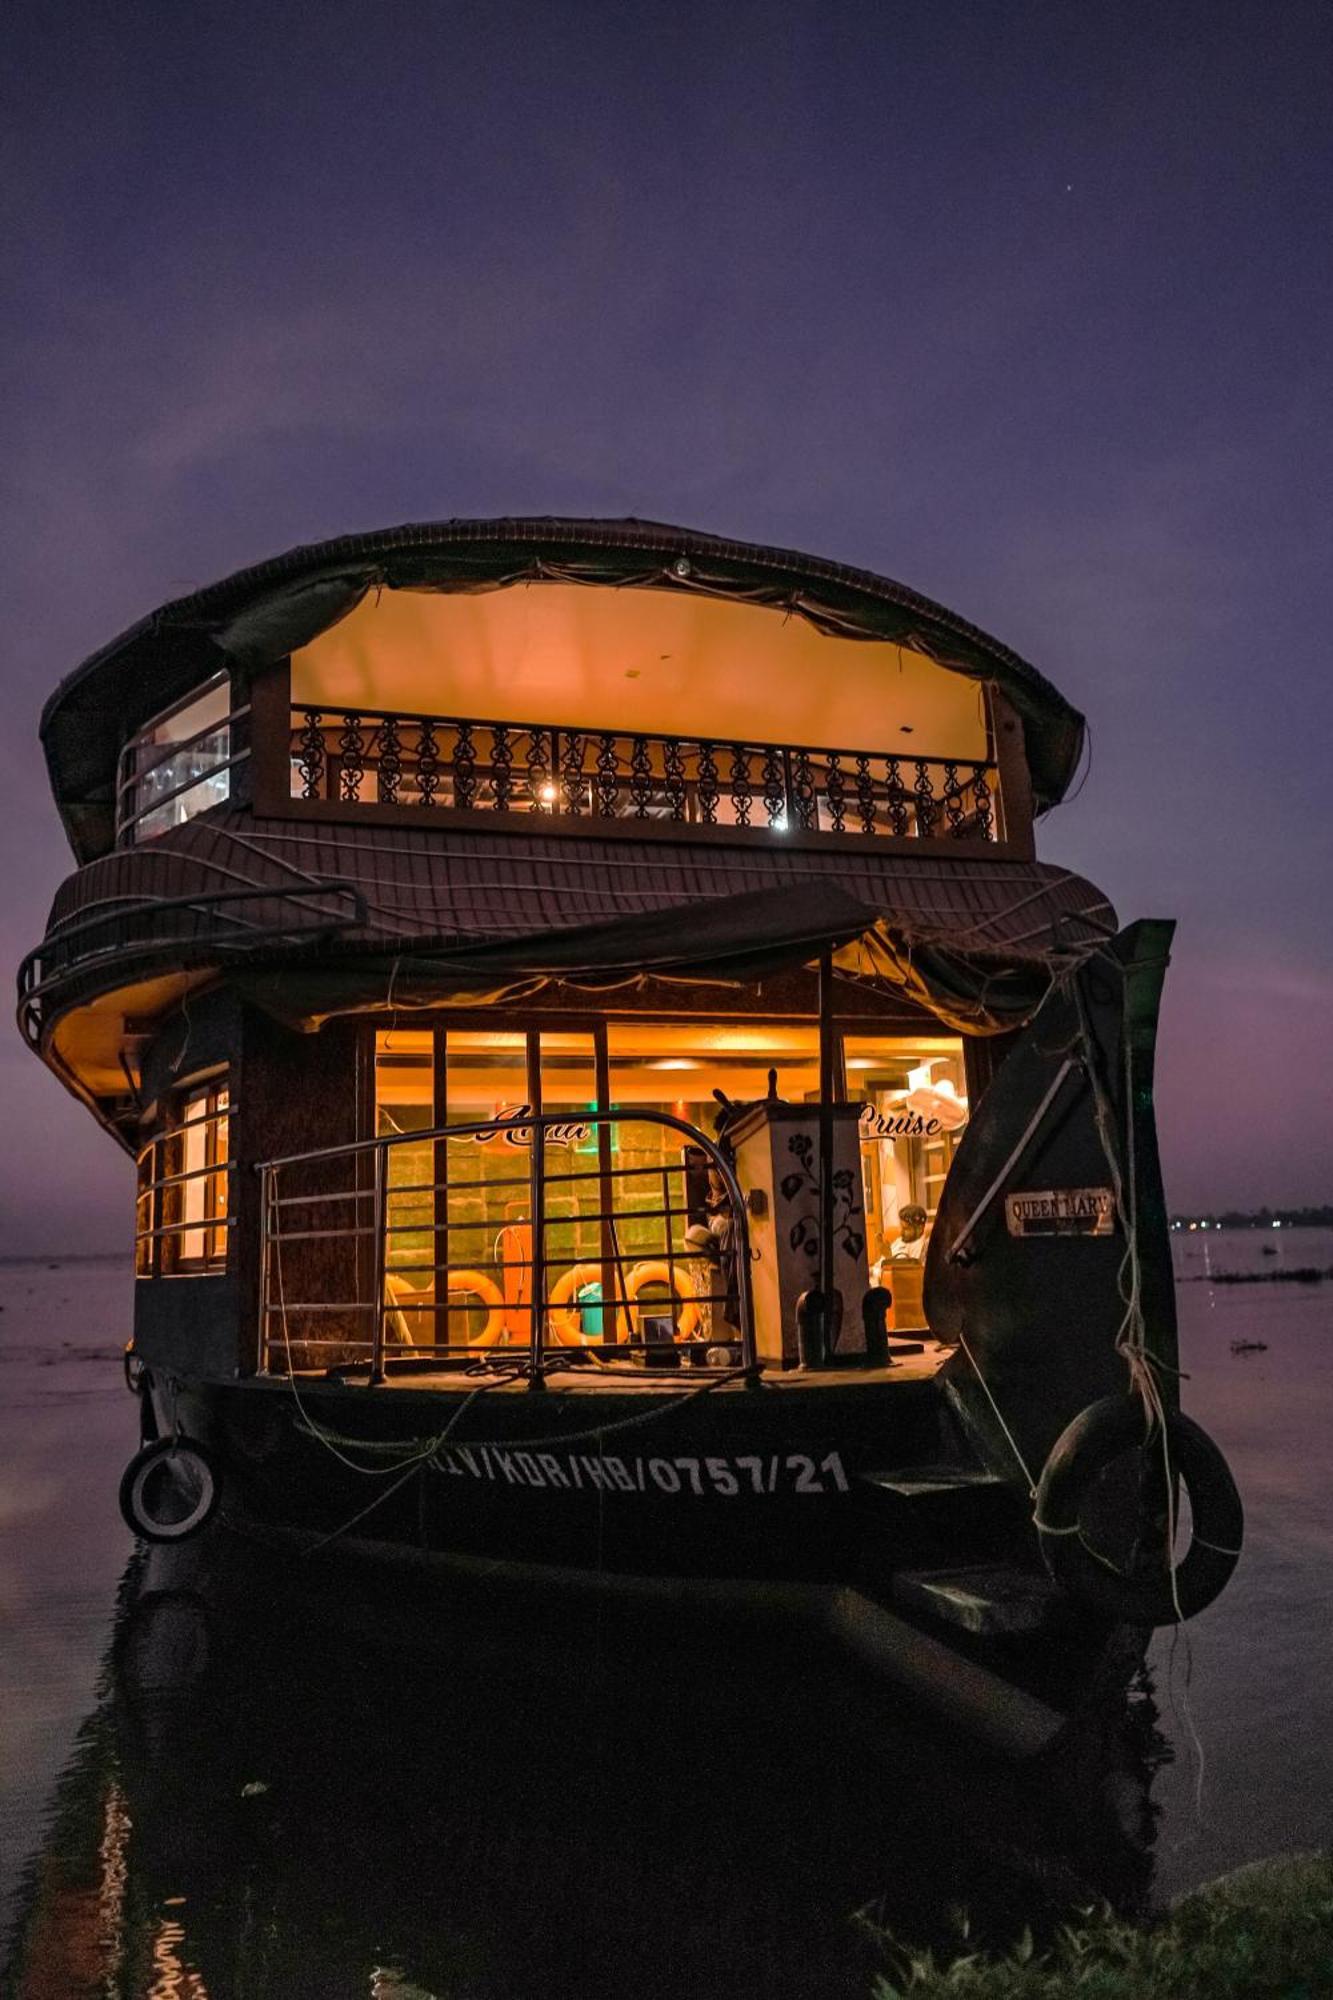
(592,656)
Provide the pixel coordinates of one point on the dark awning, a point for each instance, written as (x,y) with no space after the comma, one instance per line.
(735,940)
(732,939)
(462,916)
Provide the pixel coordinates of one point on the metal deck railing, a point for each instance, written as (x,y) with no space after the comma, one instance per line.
(154,928)
(361,757)
(401,1254)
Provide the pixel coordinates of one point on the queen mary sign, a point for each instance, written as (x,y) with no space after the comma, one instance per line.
(1061,1212)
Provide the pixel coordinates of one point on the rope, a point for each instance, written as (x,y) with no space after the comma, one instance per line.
(378,1501)
(1131,1337)
(999,1418)
(417,1451)
(1131,1343)
(1029,1132)
(427,1448)
(331,1440)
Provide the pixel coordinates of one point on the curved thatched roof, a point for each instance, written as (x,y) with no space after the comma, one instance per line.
(261,613)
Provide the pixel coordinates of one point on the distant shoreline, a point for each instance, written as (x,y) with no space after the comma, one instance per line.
(49,1257)
(1257,1218)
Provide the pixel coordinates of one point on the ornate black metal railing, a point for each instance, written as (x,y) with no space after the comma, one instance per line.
(361,757)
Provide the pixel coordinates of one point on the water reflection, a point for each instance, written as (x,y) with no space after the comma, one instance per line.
(326,1786)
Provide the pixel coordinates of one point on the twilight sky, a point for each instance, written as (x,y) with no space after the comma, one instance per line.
(1024,304)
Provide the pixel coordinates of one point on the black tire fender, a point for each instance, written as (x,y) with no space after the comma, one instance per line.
(203,1475)
(1108,1430)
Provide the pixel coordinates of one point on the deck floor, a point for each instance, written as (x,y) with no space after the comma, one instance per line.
(615,1382)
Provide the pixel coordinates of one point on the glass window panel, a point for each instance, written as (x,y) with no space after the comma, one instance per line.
(459,1247)
(488,1209)
(187,780)
(194,1189)
(576,1238)
(183,1184)
(219,1153)
(144,1247)
(914,1099)
(405,1103)
(676,1067)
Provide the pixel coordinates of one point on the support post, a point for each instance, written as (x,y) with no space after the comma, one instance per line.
(826,1085)
(380,1240)
(611,1320)
(537,1204)
(440,1188)
(266,1216)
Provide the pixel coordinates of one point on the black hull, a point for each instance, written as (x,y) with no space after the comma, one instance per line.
(752,1504)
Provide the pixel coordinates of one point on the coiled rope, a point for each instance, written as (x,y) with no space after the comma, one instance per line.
(412,1452)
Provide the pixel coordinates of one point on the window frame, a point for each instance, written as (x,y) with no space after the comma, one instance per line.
(162,1222)
(131,809)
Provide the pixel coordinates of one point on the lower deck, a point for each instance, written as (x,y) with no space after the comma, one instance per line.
(584,1377)
(779,1474)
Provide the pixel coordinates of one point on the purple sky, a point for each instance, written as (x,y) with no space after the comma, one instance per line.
(1026,305)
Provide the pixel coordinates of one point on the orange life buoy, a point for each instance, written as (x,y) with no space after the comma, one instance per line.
(566,1320)
(491,1297)
(656,1271)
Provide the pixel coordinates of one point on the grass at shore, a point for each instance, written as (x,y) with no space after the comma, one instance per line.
(1264,1933)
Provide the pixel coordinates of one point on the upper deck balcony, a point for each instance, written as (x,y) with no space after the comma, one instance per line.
(638,677)
(621,709)
(569,724)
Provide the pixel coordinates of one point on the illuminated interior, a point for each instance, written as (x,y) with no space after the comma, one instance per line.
(620,1199)
(638,659)
(178,766)
(181,1207)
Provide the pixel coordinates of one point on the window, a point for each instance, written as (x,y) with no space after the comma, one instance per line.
(623,1204)
(618,1199)
(178,766)
(182,1209)
(461,1207)
(914,1107)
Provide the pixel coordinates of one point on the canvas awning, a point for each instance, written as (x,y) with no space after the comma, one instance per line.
(729,940)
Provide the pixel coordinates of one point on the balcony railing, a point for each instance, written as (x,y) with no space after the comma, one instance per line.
(603,1239)
(150,928)
(359,757)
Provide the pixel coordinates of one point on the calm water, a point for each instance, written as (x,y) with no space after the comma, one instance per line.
(216,1781)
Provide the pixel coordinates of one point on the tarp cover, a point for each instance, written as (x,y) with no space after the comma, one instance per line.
(735,939)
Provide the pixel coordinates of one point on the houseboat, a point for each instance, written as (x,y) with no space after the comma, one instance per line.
(618,1103)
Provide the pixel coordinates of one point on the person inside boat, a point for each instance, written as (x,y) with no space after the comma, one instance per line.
(911,1245)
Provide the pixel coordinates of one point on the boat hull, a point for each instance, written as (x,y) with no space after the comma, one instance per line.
(761,1503)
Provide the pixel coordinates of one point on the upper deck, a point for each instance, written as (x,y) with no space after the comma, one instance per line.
(468,735)
(608,671)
